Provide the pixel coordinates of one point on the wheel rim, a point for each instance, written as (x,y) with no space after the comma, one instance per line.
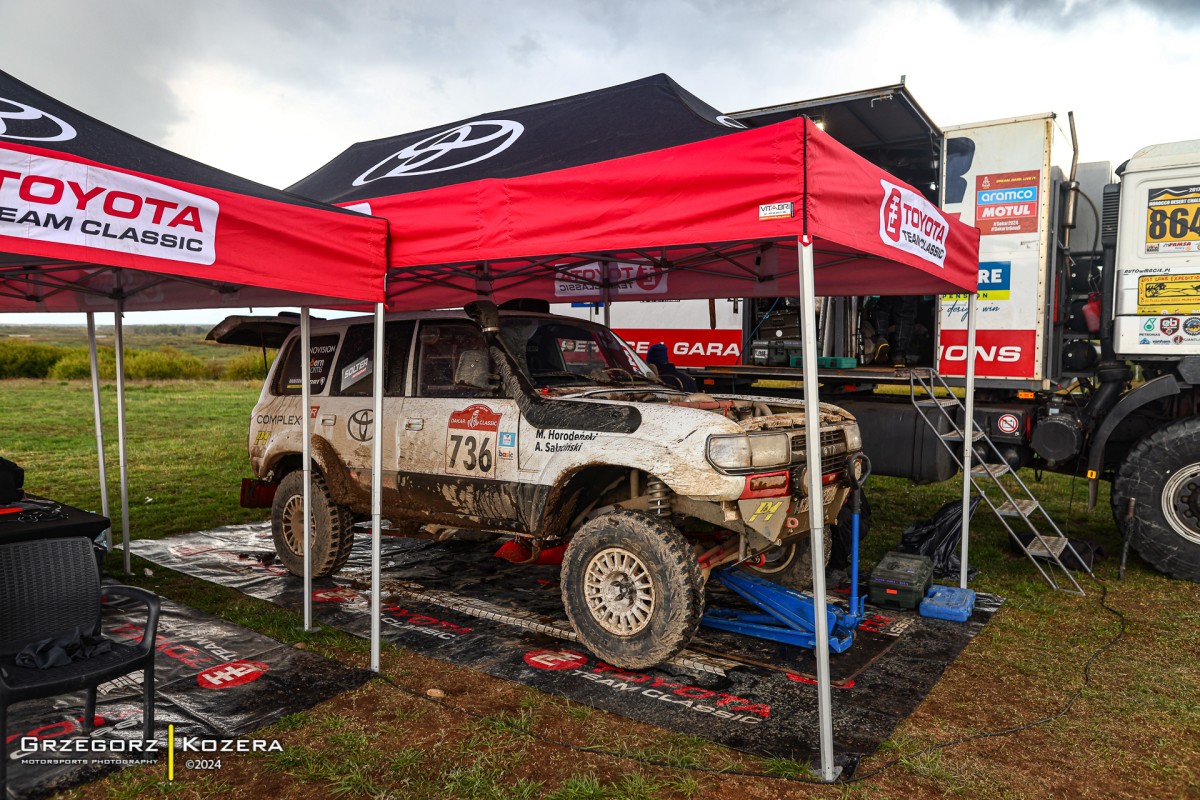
(292,524)
(619,591)
(1181,502)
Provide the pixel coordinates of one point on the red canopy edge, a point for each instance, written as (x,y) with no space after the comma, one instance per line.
(259,251)
(686,220)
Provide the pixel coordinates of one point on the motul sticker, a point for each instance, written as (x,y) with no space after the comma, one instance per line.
(234,673)
(1007,202)
(622,280)
(51,200)
(909,222)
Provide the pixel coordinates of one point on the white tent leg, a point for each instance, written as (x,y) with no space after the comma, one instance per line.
(122,454)
(377,488)
(306,454)
(968,445)
(99,423)
(816,508)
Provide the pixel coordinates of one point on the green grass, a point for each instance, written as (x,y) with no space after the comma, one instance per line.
(1133,730)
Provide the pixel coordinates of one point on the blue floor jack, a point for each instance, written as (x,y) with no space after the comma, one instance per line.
(787,615)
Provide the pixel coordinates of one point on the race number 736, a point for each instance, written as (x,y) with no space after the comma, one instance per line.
(469,454)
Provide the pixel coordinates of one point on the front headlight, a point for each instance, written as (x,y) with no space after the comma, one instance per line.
(853,438)
(742,451)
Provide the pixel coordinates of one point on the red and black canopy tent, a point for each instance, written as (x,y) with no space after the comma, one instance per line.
(93,219)
(642,191)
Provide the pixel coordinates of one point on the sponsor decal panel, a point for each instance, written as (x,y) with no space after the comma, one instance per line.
(1168,294)
(689,347)
(1007,202)
(1172,221)
(909,222)
(1191,326)
(64,202)
(1003,354)
(1169,325)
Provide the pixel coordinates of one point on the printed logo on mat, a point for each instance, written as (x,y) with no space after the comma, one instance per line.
(909,222)
(29,124)
(456,147)
(555,659)
(64,202)
(233,673)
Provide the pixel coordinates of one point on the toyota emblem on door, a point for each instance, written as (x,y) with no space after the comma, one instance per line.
(359,425)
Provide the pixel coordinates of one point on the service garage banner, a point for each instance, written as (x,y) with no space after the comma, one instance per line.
(74,191)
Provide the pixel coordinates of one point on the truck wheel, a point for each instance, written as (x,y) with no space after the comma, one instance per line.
(332,526)
(1162,474)
(790,564)
(632,589)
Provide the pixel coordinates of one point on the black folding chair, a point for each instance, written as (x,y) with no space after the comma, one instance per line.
(50,589)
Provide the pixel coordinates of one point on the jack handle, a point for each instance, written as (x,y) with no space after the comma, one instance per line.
(856,464)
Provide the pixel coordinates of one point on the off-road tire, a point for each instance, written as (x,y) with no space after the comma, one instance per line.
(332,526)
(1162,474)
(663,558)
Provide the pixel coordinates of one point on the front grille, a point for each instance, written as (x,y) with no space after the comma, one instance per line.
(833,450)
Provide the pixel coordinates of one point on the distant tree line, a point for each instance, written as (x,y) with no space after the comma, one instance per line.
(20,359)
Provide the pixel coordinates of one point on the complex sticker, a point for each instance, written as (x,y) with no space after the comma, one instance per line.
(471,441)
(1173,220)
(1007,202)
(1168,294)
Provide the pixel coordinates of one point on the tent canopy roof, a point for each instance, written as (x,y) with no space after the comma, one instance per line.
(90,215)
(639,191)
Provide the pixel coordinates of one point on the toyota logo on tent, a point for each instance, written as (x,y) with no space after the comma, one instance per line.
(26,123)
(459,146)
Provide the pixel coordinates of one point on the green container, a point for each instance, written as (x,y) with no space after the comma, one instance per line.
(900,580)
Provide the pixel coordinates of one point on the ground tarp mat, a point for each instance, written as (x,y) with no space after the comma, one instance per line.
(456,602)
(213,680)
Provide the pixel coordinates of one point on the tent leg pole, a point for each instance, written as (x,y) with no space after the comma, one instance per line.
(99,423)
(816,509)
(968,445)
(306,454)
(377,489)
(122,450)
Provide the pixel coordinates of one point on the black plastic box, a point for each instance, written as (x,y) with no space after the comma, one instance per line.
(900,580)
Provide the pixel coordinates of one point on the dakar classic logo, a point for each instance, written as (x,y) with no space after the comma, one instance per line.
(20,121)
(459,146)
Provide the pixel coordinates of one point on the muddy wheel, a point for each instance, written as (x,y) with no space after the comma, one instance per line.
(632,589)
(791,564)
(332,526)
(1161,473)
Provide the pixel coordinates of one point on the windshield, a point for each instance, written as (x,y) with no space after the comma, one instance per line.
(556,352)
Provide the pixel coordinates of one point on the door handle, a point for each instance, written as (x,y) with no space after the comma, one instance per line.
(328,419)
(414,424)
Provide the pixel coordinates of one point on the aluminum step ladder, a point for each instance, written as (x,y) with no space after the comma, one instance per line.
(1007,503)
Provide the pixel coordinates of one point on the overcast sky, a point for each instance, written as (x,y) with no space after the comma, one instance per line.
(272,89)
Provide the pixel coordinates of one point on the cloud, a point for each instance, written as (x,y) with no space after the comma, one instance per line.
(1071,12)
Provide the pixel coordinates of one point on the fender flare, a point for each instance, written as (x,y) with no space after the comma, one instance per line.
(1160,387)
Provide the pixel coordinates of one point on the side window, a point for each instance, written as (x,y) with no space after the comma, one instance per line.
(354,376)
(287,379)
(454,362)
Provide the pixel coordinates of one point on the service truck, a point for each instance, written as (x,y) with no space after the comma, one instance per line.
(1088,346)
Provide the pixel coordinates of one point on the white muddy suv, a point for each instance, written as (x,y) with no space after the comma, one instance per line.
(549,430)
